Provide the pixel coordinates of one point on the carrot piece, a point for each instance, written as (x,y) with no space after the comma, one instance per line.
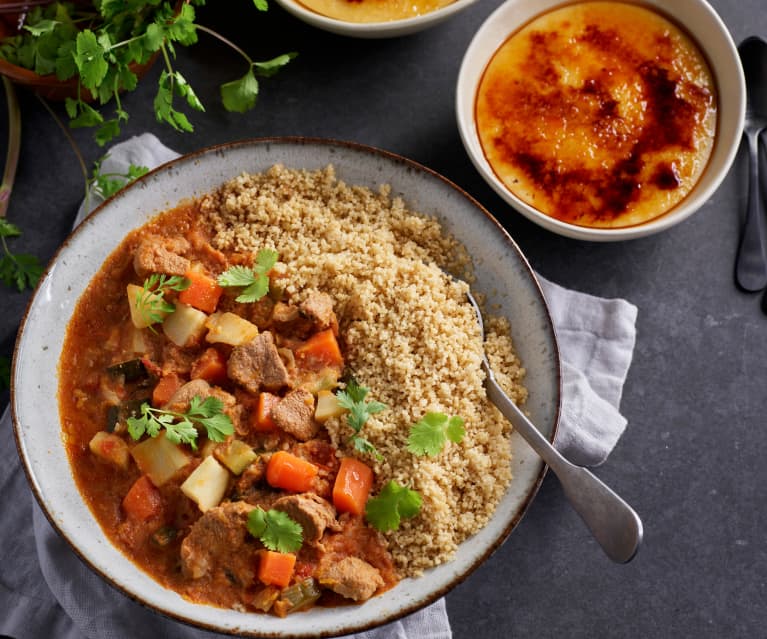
(275,568)
(165,389)
(352,486)
(261,419)
(319,351)
(289,472)
(210,366)
(143,501)
(203,292)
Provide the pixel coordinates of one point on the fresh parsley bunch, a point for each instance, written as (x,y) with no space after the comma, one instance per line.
(17,269)
(101,43)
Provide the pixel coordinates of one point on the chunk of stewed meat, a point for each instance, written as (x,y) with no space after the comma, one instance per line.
(314,513)
(318,307)
(180,400)
(350,577)
(257,364)
(161,255)
(294,414)
(219,545)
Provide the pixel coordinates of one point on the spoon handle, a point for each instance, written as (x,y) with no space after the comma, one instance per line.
(611,520)
(751,265)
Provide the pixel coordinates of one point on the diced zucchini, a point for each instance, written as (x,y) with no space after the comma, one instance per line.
(159,458)
(235,454)
(327,406)
(207,484)
(184,325)
(228,328)
(110,448)
(297,596)
(139,302)
(131,370)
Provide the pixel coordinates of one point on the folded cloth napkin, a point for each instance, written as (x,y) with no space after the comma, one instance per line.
(46,591)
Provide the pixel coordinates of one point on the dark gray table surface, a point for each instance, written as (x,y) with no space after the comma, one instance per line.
(692,458)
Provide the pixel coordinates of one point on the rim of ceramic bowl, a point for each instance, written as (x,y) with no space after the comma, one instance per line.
(712,38)
(211,617)
(389,28)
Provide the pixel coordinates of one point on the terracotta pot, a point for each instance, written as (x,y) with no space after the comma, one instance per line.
(48,86)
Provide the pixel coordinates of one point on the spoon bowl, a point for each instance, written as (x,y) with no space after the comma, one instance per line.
(614,524)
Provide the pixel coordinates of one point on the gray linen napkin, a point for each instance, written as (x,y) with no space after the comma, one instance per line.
(46,591)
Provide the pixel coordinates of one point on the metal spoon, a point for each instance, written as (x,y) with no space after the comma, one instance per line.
(751,264)
(611,520)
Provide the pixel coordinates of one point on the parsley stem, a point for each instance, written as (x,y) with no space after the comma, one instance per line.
(14,146)
(226,41)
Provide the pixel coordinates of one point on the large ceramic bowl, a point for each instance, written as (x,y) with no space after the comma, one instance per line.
(707,30)
(502,273)
(390,29)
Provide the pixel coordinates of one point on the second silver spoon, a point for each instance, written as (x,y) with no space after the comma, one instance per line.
(611,520)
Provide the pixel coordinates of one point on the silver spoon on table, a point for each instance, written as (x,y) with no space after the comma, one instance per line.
(751,263)
(611,520)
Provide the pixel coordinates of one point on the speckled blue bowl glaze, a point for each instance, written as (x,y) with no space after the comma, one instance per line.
(502,273)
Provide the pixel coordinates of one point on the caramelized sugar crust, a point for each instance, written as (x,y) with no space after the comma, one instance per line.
(598,114)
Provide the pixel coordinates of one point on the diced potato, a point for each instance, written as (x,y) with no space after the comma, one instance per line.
(228,328)
(159,458)
(184,325)
(207,484)
(110,448)
(138,343)
(139,302)
(235,454)
(327,406)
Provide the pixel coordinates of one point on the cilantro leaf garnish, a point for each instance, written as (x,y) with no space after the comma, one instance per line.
(17,269)
(429,435)
(394,502)
(352,398)
(275,529)
(254,281)
(107,184)
(150,301)
(180,428)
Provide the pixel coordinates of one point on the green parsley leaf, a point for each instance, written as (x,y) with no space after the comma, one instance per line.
(5,372)
(268,68)
(107,184)
(255,280)
(89,58)
(150,301)
(181,428)
(275,529)
(352,398)
(261,5)
(240,95)
(18,270)
(428,436)
(41,27)
(394,502)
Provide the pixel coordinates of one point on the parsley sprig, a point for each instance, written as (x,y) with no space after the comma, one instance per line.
(429,435)
(181,428)
(105,185)
(17,269)
(100,43)
(394,502)
(254,280)
(151,302)
(352,398)
(275,529)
